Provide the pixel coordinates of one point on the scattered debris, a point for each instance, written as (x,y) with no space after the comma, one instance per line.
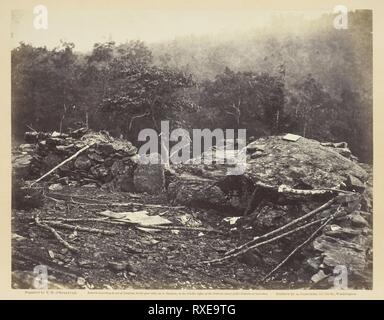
(16,237)
(291,137)
(58,224)
(55,187)
(56,235)
(117,266)
(231,220)
(136,217)
(188,220)
(81,281)
(51,254)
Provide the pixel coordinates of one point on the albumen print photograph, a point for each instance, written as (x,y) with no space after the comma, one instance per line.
(191,149)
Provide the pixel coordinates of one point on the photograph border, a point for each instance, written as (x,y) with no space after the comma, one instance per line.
(6,292)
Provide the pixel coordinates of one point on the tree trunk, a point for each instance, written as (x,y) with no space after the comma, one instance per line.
(305,128)
(276,129)
(86,120)
(152,112)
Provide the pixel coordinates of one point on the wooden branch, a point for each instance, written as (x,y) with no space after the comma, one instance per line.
(78,228)
(138,204)
(136,117)
(301,245)
(116,204)
(152,112)
(86,120)
(147,205)
(250,202)
(286,189)
(56,235)
(61,123)
(235,254)
(61,164)
(80,203)
(293,222)
(53,199)
(29,127)
(58,222)
(138,225)
(80,220)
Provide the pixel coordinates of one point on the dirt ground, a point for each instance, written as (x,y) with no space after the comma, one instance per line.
(133,258)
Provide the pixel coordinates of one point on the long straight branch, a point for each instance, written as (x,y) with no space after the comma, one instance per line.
(78,228)
(112,204)
(60,164)
(60,220)
(293,222)
(301,245)
(138,225)
(235,254)
(288,190)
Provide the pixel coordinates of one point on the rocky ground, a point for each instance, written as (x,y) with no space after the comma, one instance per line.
(208,215)
(132,258)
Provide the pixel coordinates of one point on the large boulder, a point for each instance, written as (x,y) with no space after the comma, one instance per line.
(276,161)
(21,165)
(302,164)
(122,176)
(82,162)
(51,161)
(149,175)
(198,192)
(337,252)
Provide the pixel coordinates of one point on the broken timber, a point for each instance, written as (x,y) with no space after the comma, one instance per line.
(78,228)
(55,234)
(293,222)
(61,164)
(301,245)
(259,244)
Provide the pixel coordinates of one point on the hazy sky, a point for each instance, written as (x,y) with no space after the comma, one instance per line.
(84,28)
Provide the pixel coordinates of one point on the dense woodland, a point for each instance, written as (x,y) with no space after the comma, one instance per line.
(304,77)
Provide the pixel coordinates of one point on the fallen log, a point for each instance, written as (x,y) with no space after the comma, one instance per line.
(138,225)
(78,228)
(117,204)
(105,220)
(288,190)
(112,204)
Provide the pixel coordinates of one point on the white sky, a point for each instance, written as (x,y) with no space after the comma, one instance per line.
(84,28)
